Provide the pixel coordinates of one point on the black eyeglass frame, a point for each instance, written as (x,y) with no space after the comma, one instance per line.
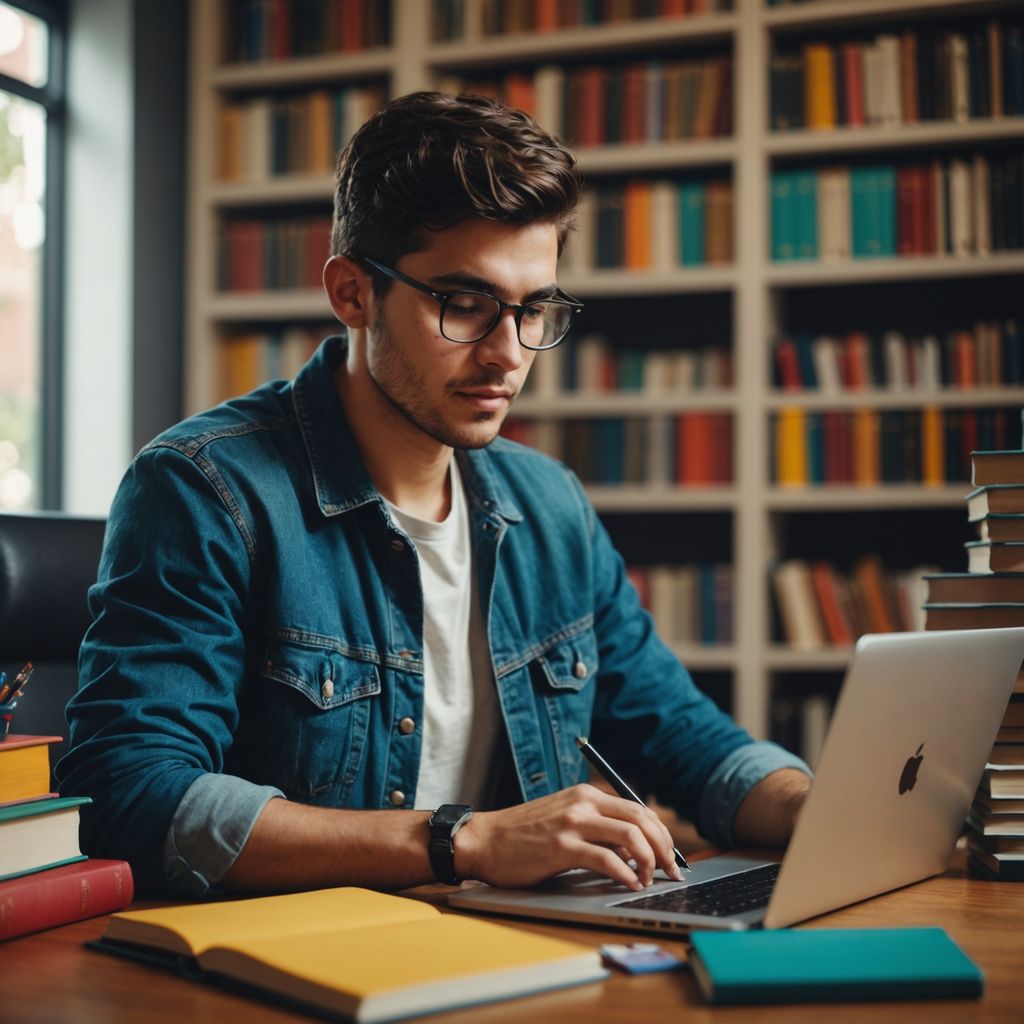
(560,298)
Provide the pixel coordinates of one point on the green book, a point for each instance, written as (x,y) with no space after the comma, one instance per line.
(783,216)
(691,224)
(832,964)
(39,834)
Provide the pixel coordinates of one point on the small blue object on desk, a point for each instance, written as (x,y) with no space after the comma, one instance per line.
(832,964)
(640,958)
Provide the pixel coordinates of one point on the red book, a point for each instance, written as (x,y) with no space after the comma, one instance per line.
(929,242)
(966,365)
(853,73)
(826,589)
(905,211)
(789,365)
(634,103)
(353,26)
(590,105)
(280,30)
(73,892)
(695,457)
(919,208)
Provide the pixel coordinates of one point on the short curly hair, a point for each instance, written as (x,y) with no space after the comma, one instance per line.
(428,161)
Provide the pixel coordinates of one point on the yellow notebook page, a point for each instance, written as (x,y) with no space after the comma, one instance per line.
(377,960)
(203,925)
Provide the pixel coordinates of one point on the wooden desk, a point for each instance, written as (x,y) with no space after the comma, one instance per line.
(51,977)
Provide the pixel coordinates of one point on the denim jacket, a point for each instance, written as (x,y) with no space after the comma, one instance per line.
(257,631)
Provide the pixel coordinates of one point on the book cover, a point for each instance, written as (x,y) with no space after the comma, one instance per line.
(974,616)
(1001,527)
(48,899)
(390,957)
(798,609)
(985,556)
(997,467)
(975,588)
(832,964)
(691,223)
(25,767)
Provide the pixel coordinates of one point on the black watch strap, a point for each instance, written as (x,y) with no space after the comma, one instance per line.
(444,823)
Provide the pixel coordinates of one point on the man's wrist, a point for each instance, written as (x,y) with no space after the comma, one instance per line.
(468,842)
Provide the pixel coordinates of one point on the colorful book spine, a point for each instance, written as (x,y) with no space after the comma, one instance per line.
(869,448)
(926,74)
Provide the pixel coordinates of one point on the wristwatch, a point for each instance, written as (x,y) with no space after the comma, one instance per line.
(444,823)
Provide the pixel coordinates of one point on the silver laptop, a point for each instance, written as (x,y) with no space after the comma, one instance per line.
(912,730)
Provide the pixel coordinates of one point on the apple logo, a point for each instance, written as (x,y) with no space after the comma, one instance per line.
(908,777)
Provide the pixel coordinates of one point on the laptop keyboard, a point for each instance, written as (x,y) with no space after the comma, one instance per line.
(722,897)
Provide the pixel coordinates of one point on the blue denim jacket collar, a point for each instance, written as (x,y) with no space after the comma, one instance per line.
(339,474)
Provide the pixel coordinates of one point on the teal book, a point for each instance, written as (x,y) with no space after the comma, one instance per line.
(885,184)
(783,216)
(832,964)
(865,213)
(805,199)
(691,224)
(39,834)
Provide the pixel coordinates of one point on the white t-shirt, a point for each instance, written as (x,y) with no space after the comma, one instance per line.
(460,705)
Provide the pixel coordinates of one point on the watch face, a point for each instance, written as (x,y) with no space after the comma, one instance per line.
(450,814)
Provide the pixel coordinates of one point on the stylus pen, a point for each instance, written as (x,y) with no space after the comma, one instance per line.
(618,784)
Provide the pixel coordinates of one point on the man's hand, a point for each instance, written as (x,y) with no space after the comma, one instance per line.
(579,827)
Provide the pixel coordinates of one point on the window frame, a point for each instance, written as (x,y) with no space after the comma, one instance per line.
(52,98)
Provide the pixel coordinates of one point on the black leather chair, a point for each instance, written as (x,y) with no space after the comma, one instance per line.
(47,564)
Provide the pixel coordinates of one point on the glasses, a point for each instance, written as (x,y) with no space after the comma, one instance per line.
(469,316)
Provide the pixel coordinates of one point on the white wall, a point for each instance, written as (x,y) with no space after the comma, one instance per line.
(99,258)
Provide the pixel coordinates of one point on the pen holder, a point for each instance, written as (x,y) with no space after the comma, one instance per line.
(6,717)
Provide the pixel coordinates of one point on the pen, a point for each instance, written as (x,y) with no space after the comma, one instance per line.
(13,689)
(618,784)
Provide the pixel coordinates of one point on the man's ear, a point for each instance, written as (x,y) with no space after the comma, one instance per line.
(349,290)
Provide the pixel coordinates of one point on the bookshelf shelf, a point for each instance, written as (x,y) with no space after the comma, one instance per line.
(848,140)
(744,302)
(785,659)
(634,159)
(486,51)
(844,13)
(271,74)
(606,283)
(809,272)
(891,496)
(626,403)
(662,499)
(814,401)
(256,306)
(273,191)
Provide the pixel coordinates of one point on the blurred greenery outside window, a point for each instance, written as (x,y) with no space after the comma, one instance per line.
(27,324)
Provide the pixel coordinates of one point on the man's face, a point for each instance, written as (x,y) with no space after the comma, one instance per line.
(457,394)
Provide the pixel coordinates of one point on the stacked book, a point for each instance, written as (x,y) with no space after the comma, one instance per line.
(988,596)
(45,879)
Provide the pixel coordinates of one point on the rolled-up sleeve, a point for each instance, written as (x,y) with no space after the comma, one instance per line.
(734,777)
(209,829)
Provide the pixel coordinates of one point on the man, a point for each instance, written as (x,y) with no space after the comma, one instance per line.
(336,605)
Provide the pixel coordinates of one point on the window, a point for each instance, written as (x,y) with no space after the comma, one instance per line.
(31,161)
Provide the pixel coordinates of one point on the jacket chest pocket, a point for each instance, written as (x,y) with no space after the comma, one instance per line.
(563,678)
(317,718)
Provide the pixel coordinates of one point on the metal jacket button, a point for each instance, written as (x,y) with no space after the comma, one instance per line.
(580,669)
(397,798)
(406,726)
(327,689)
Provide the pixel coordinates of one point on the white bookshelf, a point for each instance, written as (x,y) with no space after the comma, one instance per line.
(755,287)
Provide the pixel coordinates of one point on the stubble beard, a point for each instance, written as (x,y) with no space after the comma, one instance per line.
(397,381)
